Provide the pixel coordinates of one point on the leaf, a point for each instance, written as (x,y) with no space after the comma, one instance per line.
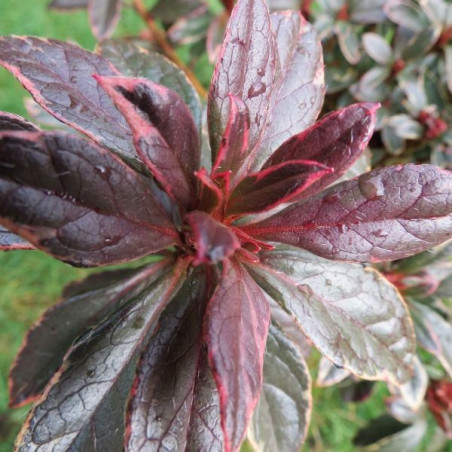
(164,133)
(78,201)
(68,4)
(245,68)
(169,12)
(164,410)
(386,434)
(433,332)
(377,48)
(9,121)
(10,241)
(282,415)
(372,86)
(407,14)
(386,214)
(351,314)
(85,305)
(237,322)
(275,185)
(191,28)
(214,241)
(413,391)
(42,117)
(299,86)
(349,42)
(330,375)
(336,141)
(134,61)
(83,406)
(103,16)
(59,77)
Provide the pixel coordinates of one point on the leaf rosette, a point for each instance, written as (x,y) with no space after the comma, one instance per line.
(179,353)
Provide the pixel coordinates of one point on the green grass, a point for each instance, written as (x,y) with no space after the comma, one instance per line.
(30,281)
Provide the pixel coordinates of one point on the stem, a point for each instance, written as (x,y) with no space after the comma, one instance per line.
(160,38)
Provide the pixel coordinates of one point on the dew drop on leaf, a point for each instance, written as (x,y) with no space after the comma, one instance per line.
(372,187)
(380,233)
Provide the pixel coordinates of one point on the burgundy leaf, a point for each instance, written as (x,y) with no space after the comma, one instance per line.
(82,408)
(8,121)
(68,4)
(214,241)
(245,68)
(103,16)
(77,201)
(299,87)
(237,322)
(210,194)
(164,132)
(59,77)
(386,214)
(135,61)
(85,305)
(281,419)
(234,144)
(275,185)
(336,141)
(353,315)
(164,406)
(10,241)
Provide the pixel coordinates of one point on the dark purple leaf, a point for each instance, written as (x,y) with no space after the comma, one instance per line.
(351,314)
(213,240)
(234,143)
(246,69)
(103,16)
(10,241)
(135,61)
(238,316)
(191,28)
(336,141)
(59,77)
(8,121)
(282,415)
(168,396)
(85,305)
(275,185)
(77,201)
(433,332)
(386,214)
(299,87)
(68,4)
(83,406)
(164,132)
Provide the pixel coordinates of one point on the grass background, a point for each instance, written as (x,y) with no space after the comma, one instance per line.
(31,281)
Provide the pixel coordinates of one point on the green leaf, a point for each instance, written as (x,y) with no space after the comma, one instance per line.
(377,48)
(407,14)
(282,415)
(352,314)
(347,35)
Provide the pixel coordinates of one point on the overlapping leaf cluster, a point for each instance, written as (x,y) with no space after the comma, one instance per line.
(250,241)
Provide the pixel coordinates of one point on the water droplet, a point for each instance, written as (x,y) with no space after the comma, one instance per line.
(380,233)
(108,240)
(100,169)
(343,228)
(331,198)
(261,71)
(256,89)
(90,372)
(328,282)
(335,250)
(48,192)
(372,187)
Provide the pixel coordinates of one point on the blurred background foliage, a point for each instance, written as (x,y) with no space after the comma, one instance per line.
(404,63)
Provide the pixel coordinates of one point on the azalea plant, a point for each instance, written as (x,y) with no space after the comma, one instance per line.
(249,235)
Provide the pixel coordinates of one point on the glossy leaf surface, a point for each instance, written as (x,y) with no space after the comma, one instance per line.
(134,61)
(282,415)
(59,77)
(351,314)
(238,316)
(95,379)
(337,141)
(10,241)
(9,121)
(77,201)
(275,185)
(385,214)
(246,68)
(164,133)
(103,16)
(85,305)
(164,408)
(299,87)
